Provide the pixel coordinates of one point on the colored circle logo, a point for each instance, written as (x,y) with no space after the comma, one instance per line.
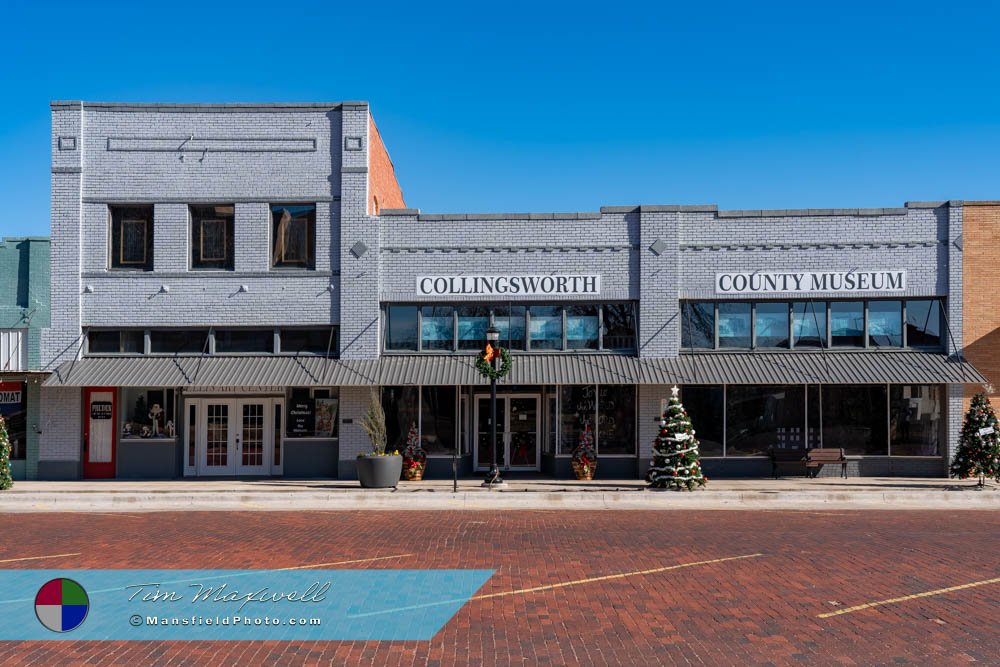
(61,605)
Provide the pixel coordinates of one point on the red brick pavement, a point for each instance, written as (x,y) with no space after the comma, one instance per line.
(754,611)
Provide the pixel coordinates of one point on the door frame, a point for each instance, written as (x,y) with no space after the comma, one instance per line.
(233,465)
(503,413)
(103,469)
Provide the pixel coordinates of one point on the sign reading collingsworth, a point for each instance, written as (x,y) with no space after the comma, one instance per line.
(769,282)
(512,285)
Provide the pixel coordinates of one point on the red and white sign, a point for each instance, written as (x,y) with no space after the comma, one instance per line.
(11,392)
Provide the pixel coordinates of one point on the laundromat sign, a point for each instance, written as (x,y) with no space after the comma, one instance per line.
(512,285)
(11,392)
(768,282)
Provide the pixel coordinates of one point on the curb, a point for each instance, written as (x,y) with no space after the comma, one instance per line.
(498,500)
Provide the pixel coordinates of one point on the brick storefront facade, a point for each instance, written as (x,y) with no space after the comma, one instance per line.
(653,262)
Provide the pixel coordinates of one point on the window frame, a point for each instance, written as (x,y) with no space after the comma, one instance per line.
(197,217)
(496,312)
(118,216)
(285,265)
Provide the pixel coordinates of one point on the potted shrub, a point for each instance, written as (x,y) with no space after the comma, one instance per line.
(377,469)
(414,457)
(585,456)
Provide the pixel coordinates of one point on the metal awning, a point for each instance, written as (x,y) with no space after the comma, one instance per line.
(213,371)
(869,367)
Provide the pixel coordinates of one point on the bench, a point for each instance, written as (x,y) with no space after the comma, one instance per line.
(784,455)
(813,459)
(817,458)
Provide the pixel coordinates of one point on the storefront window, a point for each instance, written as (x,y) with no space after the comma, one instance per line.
(847,323)
(312,412)
(437,328)
(510,321)
(146,413)
(809,324)
(401,405)
(546,327)
(243,341)
(401,328)
(321,341)
(923,323)
(582,327)
(178,341)
(437,423)
(472,324)
(578,409)
(772,324)
(761,417)
(734,325)
(704,405)
(854,418)
(616,420)
(915,420)
(14,409)
(619,326)
(698,325)
(885,323)
(813,413)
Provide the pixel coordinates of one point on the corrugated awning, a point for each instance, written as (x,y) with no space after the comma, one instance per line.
(699,368)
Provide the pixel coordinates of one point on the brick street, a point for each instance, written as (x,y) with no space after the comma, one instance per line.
(763,609)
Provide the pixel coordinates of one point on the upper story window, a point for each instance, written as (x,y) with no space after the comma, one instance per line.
(131,238)
(115,341)
(293,236)
(212,239)
(13,350)
(321,341)
(536,327)
(881,323)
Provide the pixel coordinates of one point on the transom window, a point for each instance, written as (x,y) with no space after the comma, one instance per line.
(532,327)
(131,238)
(320,341)
(212,242)
(889,323)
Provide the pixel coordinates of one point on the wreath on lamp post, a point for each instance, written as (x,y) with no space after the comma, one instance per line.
(486,362)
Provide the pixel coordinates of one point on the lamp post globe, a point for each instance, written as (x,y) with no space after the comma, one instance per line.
(493,476)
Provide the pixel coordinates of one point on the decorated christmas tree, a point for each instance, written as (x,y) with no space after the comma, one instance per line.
(414,456)
(6,480)
(676,462)
(585,455)
(978,452)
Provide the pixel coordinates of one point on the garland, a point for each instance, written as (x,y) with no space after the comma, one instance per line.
(486,368)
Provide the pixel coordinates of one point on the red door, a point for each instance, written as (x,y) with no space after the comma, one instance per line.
(99,432)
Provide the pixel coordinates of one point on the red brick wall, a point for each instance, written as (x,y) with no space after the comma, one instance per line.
(981,292)
(383,188)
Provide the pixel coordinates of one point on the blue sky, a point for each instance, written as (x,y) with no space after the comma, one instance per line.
(555,107)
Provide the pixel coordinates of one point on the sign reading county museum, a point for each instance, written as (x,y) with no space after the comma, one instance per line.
(513,285)
(765,282)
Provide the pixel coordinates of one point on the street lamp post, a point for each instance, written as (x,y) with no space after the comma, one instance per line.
(493,476)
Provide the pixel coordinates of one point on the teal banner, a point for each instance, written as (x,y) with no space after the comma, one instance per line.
(232,604)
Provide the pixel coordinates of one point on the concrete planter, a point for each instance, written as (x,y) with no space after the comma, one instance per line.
(379,472)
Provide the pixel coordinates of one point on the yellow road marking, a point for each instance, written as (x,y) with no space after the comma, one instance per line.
(14,560)
(609,577)
(342,562)
(926,594)
(131,516)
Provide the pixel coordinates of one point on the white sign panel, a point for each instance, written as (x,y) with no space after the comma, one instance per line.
(511,285)
(986,431)
(790,282)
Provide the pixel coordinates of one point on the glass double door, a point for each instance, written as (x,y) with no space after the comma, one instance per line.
(518,432)
(234,436)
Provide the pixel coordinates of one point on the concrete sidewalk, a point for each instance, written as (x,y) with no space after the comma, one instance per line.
(294,495)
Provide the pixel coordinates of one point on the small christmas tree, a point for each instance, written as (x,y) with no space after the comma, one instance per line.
(6,480)
(979,447)
(585,455)
(676,462)
(414,456)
